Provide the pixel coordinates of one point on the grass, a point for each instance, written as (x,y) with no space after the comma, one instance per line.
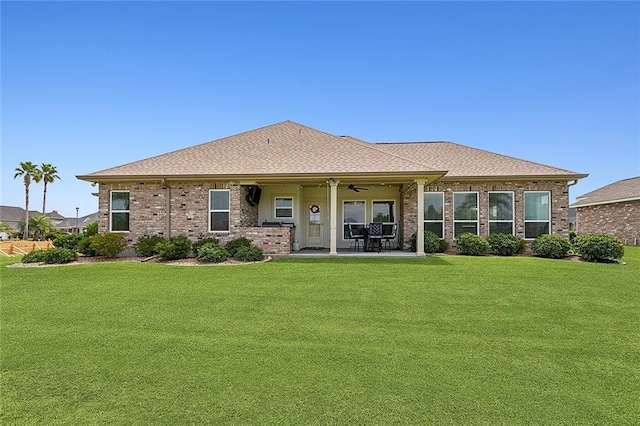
(446,339)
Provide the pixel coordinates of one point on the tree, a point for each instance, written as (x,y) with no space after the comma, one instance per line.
(49,174)
(29,172)
(40,225)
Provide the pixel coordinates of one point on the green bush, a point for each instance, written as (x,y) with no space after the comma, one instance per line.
(174,248)
(249,254)
(91,229)
(34,256)
(68,241)
(108,244)
(472,244)
(551,246)
(212,253)
(59,255)
(209,240)
(505,244)
(51,256)
(84,247)
(146,245)
(233,245)
(598,247)
(432,244)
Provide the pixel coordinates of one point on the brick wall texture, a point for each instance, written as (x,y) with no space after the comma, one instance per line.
(619,219)
(188,203)
(559,205)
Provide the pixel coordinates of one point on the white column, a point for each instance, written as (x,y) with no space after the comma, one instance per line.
(420,227)
(333,220)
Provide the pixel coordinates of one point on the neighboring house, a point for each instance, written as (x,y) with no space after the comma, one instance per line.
(288,182)
(613,209)
(14,217)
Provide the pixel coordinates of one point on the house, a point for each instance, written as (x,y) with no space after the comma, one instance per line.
(14,218)
(613,209)
(287,183)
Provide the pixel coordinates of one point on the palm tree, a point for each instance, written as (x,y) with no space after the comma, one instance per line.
(29,172)
(49,174)
(40,226)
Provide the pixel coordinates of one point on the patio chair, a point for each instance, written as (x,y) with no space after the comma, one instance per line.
(389,239)
(375,235)
(356,239)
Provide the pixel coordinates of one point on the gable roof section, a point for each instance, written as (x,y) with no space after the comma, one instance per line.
(622,190)
(466,163)
(283,149)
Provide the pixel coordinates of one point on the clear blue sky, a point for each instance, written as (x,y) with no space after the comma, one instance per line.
(91,85)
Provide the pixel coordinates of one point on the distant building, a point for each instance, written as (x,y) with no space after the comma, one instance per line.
(14,216)
(613,209)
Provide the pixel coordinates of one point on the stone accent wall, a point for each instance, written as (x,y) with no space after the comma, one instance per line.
(272,240)
(619,219)
(559,205)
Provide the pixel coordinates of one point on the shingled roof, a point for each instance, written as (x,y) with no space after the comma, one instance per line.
(622,190)
(294,150)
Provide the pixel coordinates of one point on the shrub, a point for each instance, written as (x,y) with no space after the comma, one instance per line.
(212,253)
(233,245)
(52,256)
(598,247)
(249,254)
(174,248)
(34,256)
(84,247)
(432,244)
(472,244)
(551,246)
(68,241)
(505,244)
(108,244)
(59,255)
(91,229)
(146,245)
(209,240)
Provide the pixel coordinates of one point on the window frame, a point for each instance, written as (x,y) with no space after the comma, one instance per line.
(476,221)
(526,221)
(513,206)
(387,226)
(276,208)
(441,221)
(112,210)
(345,224)
(212,210)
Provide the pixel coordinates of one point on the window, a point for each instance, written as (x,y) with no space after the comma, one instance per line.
(284,208)
(120,211)
(353,212)
(465,213)
(383,212)
(434,213)
(537,213)
(500,213)
(219,210)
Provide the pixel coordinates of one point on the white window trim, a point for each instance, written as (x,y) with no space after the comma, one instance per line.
(112,211)
(345,237)
(441,222)
(477,221)
(524,211)
(276,208)
(212,210)
(513,212)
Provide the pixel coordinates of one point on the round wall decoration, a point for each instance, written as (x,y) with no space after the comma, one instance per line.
(314,208)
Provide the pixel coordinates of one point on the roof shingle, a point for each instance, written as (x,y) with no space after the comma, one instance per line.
(622,190)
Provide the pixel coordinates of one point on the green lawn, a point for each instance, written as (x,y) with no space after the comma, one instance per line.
(446,339)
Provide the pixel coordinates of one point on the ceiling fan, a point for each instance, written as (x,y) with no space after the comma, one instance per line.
(356,188)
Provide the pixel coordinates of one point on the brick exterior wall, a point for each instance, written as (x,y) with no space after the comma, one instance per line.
(189,207)
(619,219)
(559,205)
